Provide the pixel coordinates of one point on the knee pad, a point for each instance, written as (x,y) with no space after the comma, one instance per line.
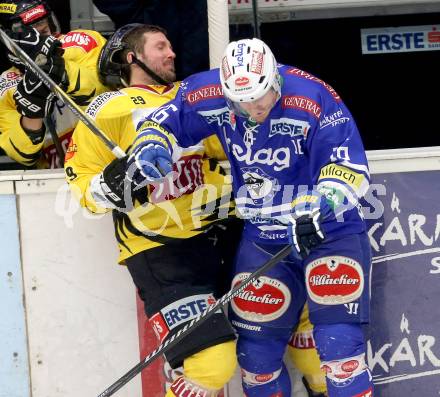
(263,371)
(213,367)
(342,351)
(271,384)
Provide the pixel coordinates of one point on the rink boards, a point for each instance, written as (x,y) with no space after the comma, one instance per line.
(69,316)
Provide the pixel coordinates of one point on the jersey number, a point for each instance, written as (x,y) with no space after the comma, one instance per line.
(162,113)
(138,100)
(70,173)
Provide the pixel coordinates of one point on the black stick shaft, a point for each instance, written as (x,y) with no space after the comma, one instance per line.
(195,323)
(76,110)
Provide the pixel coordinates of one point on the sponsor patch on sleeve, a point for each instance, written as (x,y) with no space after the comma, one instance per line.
(204,93)
(301,103)
(80,40)
(9,82)
(100,101)
(344,174)
(308,76)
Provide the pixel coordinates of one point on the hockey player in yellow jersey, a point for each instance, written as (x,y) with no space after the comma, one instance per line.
(30,135)
(166,239)
(171,244)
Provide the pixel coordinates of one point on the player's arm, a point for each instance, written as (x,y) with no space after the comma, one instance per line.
(160,136)
(338,162)
(25,100)
(340,175)
(81,52)
(20,144)
(88,160)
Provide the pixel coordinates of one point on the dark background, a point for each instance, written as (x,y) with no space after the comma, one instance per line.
(393,97)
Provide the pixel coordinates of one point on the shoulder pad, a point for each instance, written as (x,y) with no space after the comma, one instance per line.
(98,103)
(310,77)
(79,39)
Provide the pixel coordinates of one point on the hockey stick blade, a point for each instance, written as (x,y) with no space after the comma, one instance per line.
(76,110)
(195,322)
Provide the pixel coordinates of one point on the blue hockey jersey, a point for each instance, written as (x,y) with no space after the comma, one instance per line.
(309,140)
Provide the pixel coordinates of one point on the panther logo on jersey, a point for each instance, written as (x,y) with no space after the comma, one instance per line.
(260,186)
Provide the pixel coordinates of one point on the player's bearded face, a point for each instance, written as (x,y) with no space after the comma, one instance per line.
(159,56)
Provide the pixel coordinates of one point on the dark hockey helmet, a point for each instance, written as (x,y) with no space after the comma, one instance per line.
(15,14)
(111,66)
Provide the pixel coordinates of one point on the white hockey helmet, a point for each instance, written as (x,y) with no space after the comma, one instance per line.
(248,71)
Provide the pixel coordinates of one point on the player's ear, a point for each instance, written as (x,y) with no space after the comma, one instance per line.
(129,57)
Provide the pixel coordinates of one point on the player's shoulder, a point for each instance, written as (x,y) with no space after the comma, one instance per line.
(109,103)
(82,39)
(9,80)
(298,80)
(153,92)
(201,87)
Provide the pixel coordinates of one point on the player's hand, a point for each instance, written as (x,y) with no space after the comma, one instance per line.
(32,97)
(112,188)
(34,44)
(113,182)
(309,210)
(150,158)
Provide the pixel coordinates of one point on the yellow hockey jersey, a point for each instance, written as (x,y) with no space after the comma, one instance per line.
(169,211)
(81,52)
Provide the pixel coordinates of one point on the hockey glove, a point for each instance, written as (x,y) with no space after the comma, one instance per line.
(150,158)
(32,97)
(110,189)
(309,210)
(33,44)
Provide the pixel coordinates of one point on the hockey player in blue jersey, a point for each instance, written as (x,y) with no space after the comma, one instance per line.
(299,170)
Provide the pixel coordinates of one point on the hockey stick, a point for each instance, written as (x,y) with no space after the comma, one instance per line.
(199,320)
(256,19)
(76,110)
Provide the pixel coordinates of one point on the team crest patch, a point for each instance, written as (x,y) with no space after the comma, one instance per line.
(260,186)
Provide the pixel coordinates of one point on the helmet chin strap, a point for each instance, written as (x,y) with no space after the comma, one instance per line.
(147,70)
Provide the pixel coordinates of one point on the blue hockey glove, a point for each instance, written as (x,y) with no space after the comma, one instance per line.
(150,157)
(309,210)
